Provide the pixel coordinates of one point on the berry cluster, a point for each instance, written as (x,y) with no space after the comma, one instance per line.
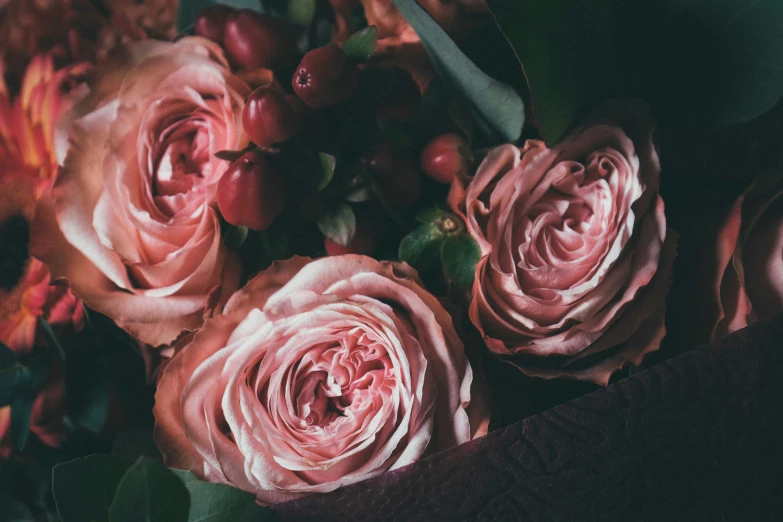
(359,117)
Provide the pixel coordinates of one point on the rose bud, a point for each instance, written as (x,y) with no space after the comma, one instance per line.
(255,40)
(251,193)
(364,241)
(391,94)
(211,22)
(444,157)
(325,77)
(395,172)
(268,118)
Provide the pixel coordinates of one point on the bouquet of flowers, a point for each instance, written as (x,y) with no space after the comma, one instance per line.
(259,250)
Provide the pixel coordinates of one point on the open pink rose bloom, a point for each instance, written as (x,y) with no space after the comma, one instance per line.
(130,223)
(318,374)
(576,257)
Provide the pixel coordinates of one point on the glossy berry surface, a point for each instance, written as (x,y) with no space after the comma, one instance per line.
(444,157)
(256,40)
(364,241)
(211,22)
(268,118)
(251,193)
(325,77)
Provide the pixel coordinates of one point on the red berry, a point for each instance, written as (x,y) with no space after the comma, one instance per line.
(390,93)
(325,77)
(251,193)
(444,157)
(255,40)
(396,174)
(364,240)
(268,118)
(211,22)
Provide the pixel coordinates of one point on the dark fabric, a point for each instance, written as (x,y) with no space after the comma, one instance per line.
(699,437)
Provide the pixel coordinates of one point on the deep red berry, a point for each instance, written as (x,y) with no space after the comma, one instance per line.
(268,118)
(390,93)
(251,193)
(255,40)
(395,172)
(211,22)
(325,77)
(444,157)
(364,241)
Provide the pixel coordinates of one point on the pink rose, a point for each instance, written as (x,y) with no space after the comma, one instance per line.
(131,222)
(576,259)
(747,275)
(318,374)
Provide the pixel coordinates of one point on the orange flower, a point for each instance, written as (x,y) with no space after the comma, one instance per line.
(398,44)
(28,123)
(25,290)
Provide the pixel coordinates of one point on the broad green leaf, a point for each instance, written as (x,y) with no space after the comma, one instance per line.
(189,9)
(221,503)
(496,105)
(12,372)
(84,488)
(459,255)
(428,215)
(361,44)
(328,164)
(420,247)
(93,408)
(703,63)
(149,492)
(564,47)
(338,224)
(20,417)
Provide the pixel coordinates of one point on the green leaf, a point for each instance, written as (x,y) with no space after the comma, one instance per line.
(564,49)
(459,255)
(14,510)
(703,64)
(84,488)
(359,194)
(420,247)
(235,237)
(93,410)
(221,503)
(338,224)
(361,44)
(460,114)
(497,105)
(21,406)
(429,215)
(11,373)
(328,164)
(189,9)
(47,328)
(149,492)
(301,11)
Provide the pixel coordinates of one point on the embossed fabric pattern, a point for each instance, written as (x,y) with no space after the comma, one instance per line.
(695,438)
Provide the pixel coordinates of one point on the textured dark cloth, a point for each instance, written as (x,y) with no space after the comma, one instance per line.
(699,437)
